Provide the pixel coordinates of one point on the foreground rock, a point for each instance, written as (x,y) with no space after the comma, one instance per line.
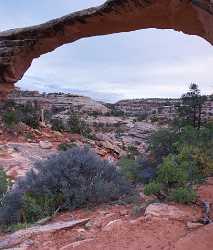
(205,193)
(21,236)
(201,239)
(164,226)
(45,144)
(174,212)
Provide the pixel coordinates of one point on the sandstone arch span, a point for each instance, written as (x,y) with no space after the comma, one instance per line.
(18,47)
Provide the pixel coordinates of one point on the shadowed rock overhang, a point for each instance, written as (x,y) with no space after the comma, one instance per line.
(18,47)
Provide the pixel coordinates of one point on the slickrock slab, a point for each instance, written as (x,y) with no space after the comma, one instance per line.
(21,236)
(17,158)
(174,212)
(200,239)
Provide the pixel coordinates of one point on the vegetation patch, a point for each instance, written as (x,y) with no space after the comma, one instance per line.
(72,179)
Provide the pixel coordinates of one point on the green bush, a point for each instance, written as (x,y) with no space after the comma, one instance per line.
(128,168)
(152,188)
(79,126)
(142,117)
(57,125)
(154,118)
(137,171)
(27,113)
(72,179)
(132,151)
(161,143)
(4,183)
(66,146)
(174,177)
(10,118)
(171,174)
(37,206)
(183,195)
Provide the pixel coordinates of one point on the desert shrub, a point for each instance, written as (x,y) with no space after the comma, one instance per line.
(183,195)
(72,179)
(172,141)
(204,160)
(74,123)
(190,162)
(79,126)
(8,104)
(57,125)
(138,171)
(4,183)
(117,112)
(161,143)
(132,151)
(129,168)
(141,117)
(174,180)
(36,206)
(10,118)
(148,169)
(154,118)
(171,174)
(14,227)
(152,188)
(28,114)
(66,146)
(195,146)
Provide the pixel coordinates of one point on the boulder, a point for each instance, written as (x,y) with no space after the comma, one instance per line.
(193,225)
(113,224)
(174,212)
(45,144)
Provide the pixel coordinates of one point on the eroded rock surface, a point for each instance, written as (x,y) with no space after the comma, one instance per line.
(19,47)
(17,158)
(21,236)
(58,101)
(113,227)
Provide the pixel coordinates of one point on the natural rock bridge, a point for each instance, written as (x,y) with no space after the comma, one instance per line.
(18,47)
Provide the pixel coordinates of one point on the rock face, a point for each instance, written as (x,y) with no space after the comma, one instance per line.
(58,101)
(19,47)
(162,109)
(17,158)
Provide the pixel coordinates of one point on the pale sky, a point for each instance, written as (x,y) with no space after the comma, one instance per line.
(144,63)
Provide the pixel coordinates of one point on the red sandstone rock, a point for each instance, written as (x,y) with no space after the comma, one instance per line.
(200,239)
(174,212)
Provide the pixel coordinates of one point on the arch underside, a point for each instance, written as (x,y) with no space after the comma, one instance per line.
(18,47)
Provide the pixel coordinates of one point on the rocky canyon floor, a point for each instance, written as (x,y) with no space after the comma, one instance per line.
(116,227)
(107,227)
(138,226)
